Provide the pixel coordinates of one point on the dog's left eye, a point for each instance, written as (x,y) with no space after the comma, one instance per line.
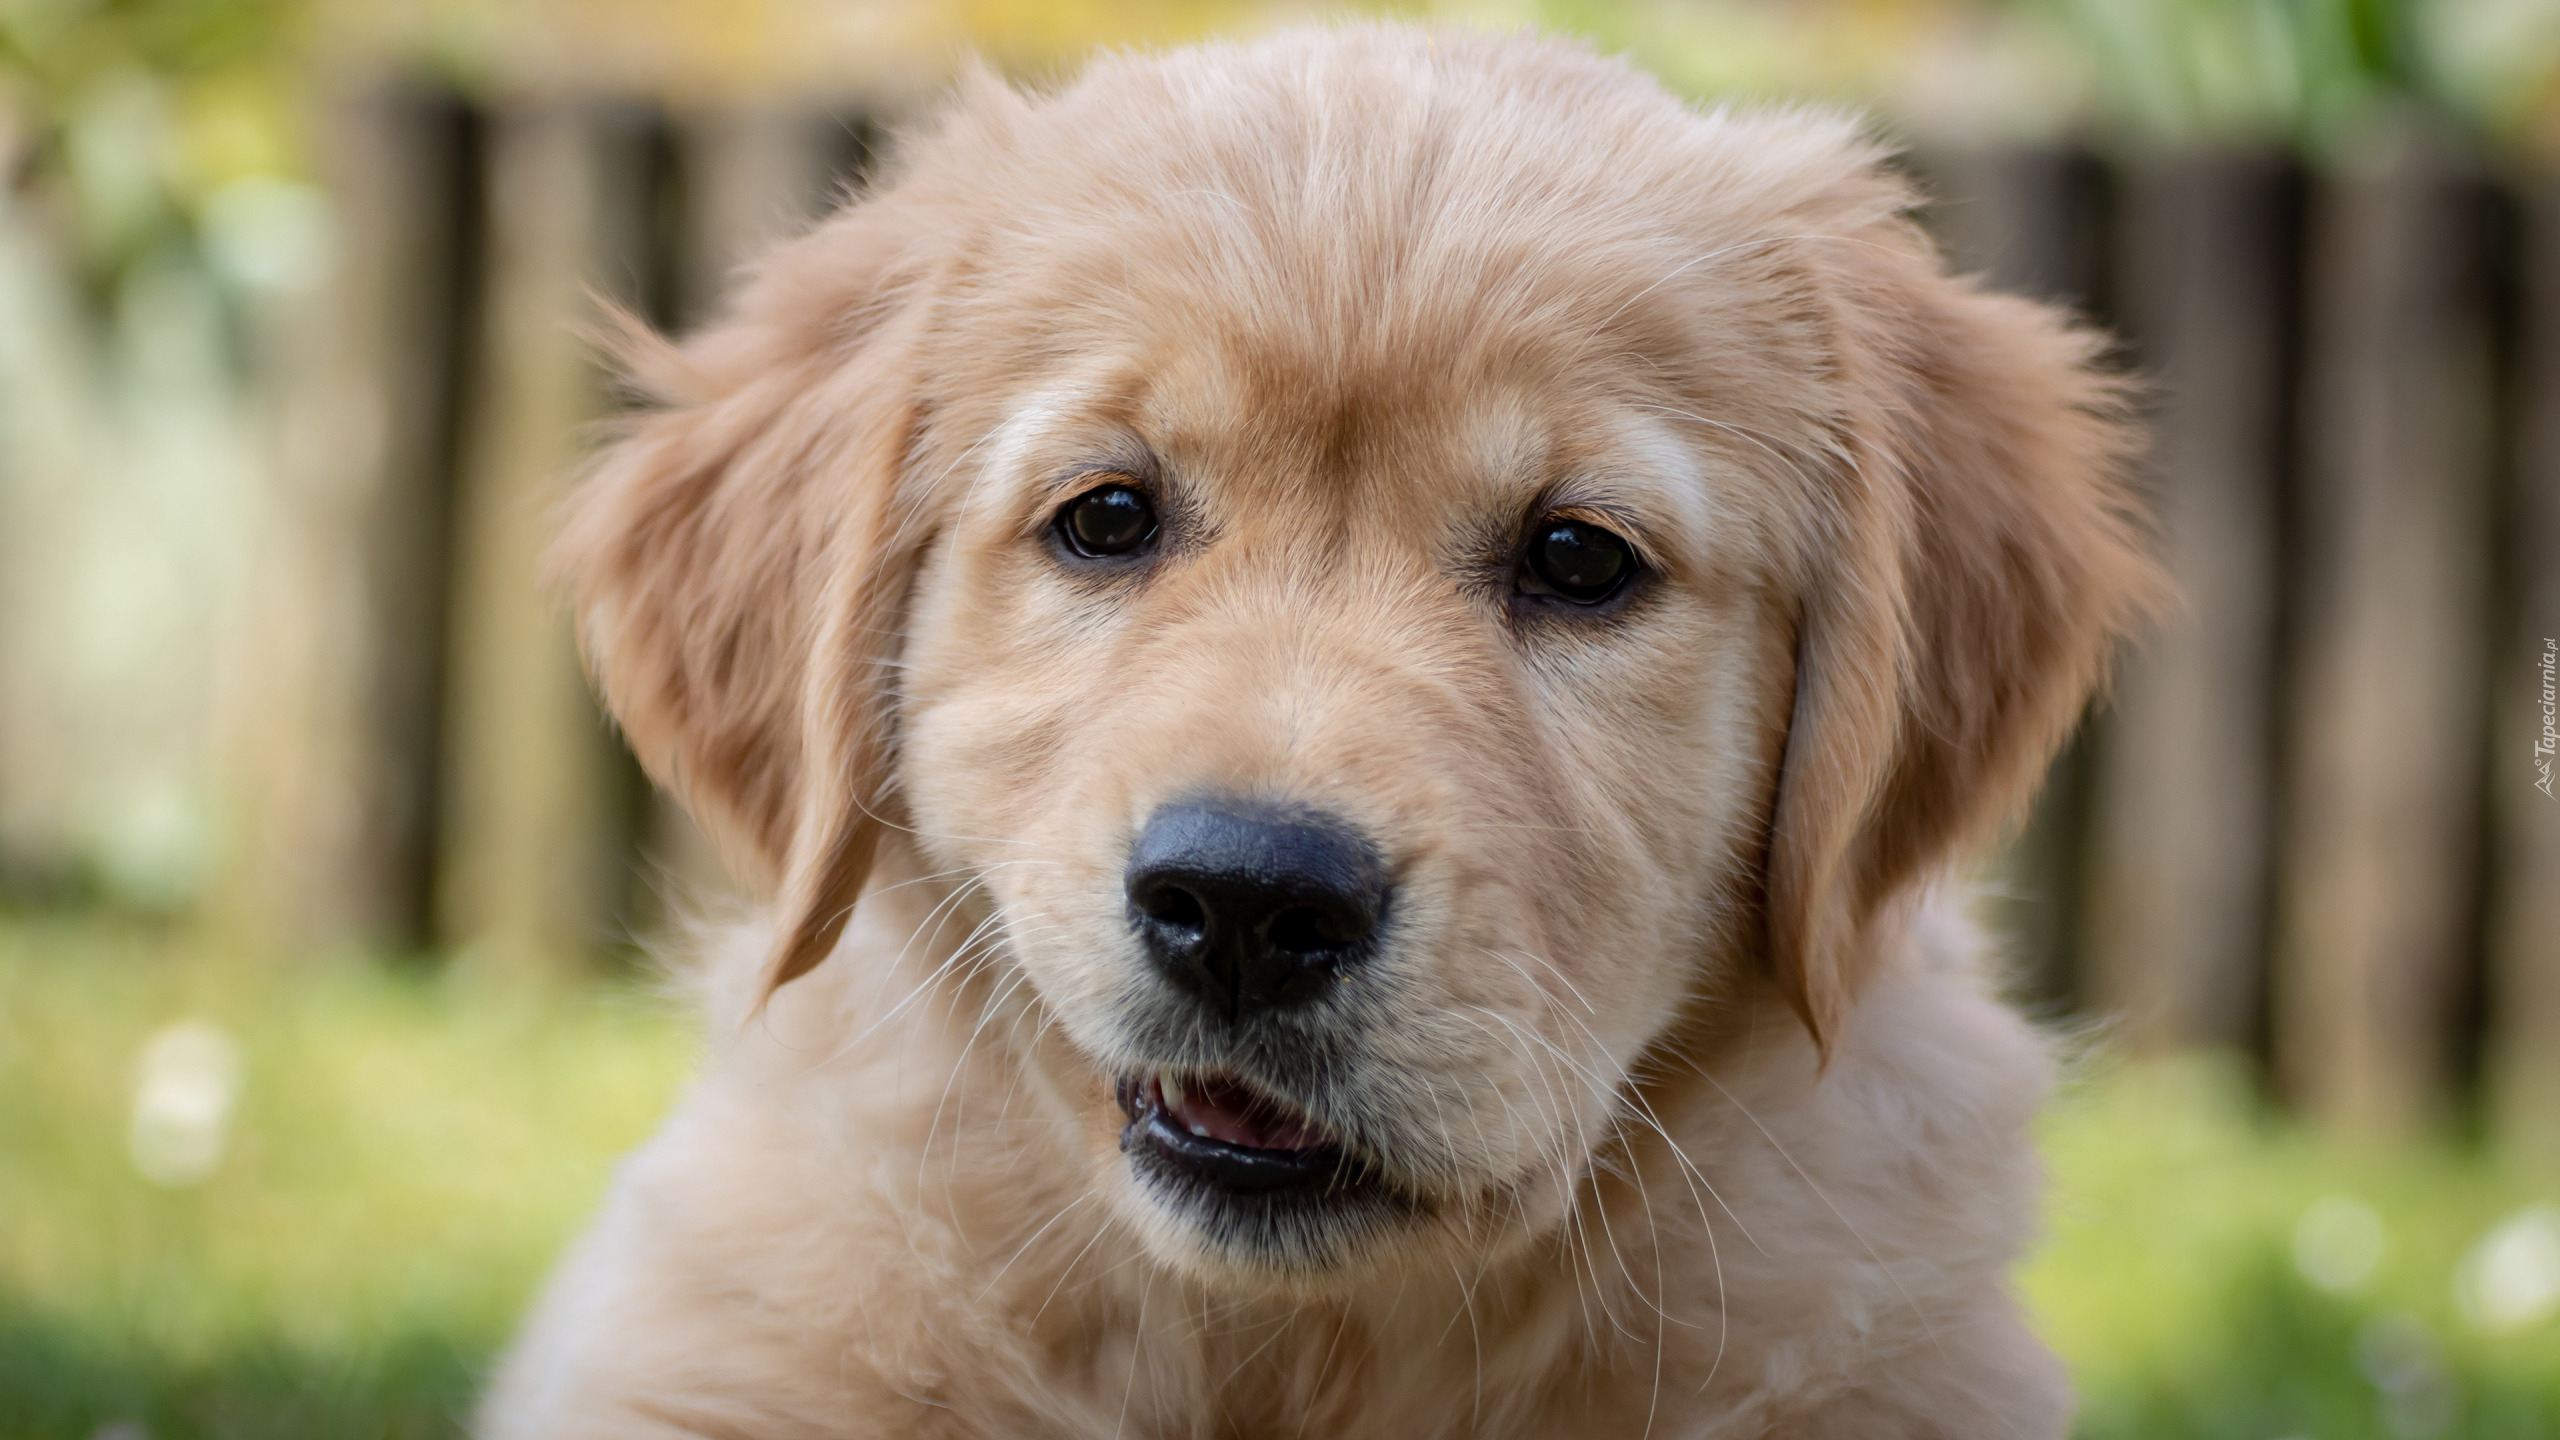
(1576,560)
(1107,521)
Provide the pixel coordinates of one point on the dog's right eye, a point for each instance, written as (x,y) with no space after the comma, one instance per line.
(1576,561)
(1108,521)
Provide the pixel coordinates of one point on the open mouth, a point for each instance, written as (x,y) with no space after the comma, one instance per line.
(1224,1133)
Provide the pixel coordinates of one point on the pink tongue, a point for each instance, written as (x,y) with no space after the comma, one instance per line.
(1226,1111)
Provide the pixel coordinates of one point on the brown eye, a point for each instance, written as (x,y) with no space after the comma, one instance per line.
(1106,522)
(1577,561)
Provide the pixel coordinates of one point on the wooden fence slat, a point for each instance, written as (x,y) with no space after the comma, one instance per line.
(2523,1071)
(752,176)
(2175,913)
(331,744)
(2025,218)
(536,854)
(2378,852)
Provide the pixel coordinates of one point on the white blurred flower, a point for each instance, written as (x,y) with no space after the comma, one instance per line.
(2338,1244)
(186,1085)
(2511,1280)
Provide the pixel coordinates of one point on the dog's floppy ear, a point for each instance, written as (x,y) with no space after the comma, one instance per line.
(1980,560)
(739,560)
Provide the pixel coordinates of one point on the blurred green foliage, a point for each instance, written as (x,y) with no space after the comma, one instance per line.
(408,1152)
(2185,1277)
(2325,74)
(2246,68)
(121,119)
(64,46)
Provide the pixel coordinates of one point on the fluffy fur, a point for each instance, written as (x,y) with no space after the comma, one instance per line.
(1705,1121)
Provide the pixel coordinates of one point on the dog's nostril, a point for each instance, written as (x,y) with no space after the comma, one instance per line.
(1174,906)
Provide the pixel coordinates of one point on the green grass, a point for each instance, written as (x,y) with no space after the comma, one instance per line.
(409,1151)
(2171,1282)
(407,1155)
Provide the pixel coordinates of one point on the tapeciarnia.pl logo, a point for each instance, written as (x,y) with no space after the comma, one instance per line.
(2549,739)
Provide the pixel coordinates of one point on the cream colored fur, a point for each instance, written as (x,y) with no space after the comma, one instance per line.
(1704,1119)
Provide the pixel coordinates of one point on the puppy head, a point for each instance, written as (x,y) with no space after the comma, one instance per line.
(1398,567)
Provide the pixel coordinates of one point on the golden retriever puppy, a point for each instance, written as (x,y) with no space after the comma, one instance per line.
(1352,661)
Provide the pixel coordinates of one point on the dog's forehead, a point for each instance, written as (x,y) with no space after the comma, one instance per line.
(1263,297)
(1249,384)
(1217,423)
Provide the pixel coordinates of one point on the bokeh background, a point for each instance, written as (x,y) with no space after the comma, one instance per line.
(326,893)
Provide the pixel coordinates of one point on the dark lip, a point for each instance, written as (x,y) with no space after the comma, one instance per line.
(1157,1141)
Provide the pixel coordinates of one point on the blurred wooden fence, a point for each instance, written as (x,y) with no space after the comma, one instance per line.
(2306,826)
(446,778)
(2307,823)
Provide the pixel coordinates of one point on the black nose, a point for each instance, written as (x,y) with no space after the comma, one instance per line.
(1252,906)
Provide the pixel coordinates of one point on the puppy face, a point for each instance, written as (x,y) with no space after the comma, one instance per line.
(1358,759)
(1401,570)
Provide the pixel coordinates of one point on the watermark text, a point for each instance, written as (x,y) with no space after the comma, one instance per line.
(2546,743)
